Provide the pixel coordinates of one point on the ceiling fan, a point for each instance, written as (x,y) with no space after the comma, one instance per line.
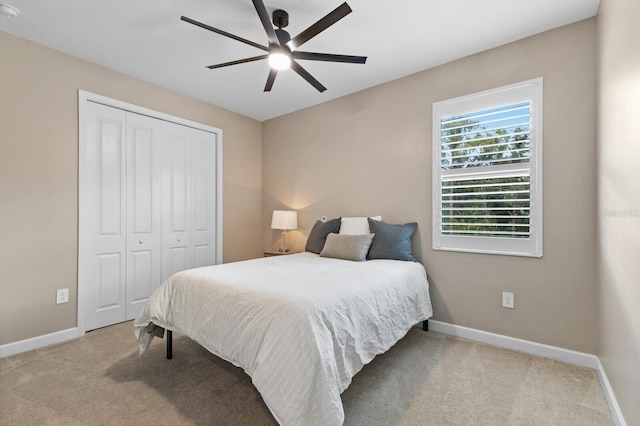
(282,51)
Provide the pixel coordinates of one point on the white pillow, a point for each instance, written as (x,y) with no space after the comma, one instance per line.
(356,225)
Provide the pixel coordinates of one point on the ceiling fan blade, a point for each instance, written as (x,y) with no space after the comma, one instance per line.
(312,56)
(266,21)
(270,79)
(224,33)
(324,23)
(239,61)
(305,74)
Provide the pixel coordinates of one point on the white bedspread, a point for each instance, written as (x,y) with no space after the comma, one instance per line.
(300,325)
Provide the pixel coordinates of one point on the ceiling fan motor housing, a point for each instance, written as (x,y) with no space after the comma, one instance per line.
(283,36)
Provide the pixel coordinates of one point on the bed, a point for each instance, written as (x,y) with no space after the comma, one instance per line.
(301,325)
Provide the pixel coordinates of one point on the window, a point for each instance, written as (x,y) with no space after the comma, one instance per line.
(487,171)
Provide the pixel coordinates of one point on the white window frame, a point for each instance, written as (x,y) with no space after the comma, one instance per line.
(530,90)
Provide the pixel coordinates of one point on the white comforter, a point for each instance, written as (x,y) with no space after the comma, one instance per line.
(300,325)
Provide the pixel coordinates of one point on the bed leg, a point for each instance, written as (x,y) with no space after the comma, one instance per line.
(169,344)
(425,325)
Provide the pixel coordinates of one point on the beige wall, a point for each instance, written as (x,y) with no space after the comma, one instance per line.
(370,153)
(39,184)
(619,200)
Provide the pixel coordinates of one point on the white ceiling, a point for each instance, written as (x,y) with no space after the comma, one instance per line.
(146,39)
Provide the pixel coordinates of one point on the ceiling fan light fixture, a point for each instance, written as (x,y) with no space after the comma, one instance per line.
(279,61)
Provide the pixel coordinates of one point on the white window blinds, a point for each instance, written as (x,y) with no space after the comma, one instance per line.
(487,184)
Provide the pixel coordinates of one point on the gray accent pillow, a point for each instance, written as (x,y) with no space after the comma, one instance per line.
(348,247)
(391,241)
(319,233)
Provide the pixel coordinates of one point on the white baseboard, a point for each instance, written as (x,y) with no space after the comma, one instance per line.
(38,342)
(565,355)
(614,408)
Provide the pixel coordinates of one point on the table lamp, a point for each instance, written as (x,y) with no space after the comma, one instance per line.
(284,220)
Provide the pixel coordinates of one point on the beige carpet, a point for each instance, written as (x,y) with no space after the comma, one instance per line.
(426,379)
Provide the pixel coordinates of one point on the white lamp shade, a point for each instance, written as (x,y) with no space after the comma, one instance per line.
(284,219)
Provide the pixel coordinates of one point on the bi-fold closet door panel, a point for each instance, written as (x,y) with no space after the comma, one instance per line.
(203,208)
(144,192)
(150,209)
(104,242)
(176,193)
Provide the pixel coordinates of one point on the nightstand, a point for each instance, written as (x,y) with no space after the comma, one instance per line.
(278,253)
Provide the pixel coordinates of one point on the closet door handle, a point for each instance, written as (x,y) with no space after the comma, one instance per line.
(178,239)
(140,242)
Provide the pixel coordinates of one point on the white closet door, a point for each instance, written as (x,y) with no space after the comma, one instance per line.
(147,206)
(144,232)
(176,221)
(102,251)
(203,204)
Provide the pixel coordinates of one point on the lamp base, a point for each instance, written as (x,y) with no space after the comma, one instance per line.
(283,242)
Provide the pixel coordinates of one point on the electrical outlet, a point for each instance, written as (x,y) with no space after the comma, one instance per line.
(62,296)
(508,300)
